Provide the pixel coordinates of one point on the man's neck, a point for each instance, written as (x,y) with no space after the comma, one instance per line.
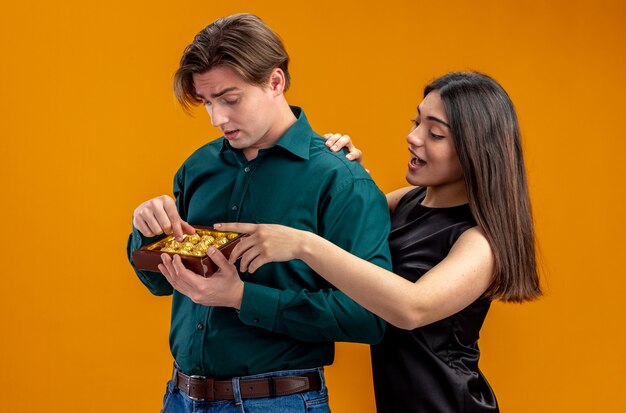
(283,121)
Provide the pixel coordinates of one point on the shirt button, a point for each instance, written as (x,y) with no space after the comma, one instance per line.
(255,320)
(200,326)
(234,208)
(246,169)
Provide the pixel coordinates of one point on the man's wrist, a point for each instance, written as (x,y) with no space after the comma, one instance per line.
(238,296)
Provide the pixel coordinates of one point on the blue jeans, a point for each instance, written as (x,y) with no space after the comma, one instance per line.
(176,401)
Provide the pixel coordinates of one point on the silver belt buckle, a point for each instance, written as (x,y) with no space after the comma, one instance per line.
(188,386)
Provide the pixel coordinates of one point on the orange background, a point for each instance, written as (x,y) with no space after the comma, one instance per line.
(90,129)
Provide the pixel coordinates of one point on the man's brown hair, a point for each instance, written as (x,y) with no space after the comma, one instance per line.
(240,41)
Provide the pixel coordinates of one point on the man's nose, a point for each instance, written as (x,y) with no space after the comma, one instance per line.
(218,116)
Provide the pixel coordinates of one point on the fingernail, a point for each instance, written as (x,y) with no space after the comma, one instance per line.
(334,147)
(210,250)
(328,142)
(349,156)
(217,225)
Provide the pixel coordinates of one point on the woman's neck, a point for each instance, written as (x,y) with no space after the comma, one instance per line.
(446,196)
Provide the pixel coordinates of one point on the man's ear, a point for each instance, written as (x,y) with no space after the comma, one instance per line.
(277,81)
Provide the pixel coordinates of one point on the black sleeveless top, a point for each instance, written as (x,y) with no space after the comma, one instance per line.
(432,368)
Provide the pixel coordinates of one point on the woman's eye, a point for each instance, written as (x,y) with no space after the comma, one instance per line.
(435,136)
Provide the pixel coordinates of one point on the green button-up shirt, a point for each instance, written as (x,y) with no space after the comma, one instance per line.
(289,316)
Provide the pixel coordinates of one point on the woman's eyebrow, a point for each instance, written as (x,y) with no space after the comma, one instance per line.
(434,119)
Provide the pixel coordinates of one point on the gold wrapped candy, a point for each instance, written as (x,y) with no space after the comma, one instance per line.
(194,239)
(196,244)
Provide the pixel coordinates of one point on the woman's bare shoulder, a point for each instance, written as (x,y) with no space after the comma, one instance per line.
(394,197)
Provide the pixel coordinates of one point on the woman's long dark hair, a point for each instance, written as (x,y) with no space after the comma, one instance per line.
(487,140)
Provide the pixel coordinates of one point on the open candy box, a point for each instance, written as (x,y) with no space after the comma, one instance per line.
(192,250)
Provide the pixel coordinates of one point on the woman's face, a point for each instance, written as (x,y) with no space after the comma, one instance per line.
(434,162)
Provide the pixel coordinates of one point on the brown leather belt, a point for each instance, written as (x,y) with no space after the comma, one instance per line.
(202,388)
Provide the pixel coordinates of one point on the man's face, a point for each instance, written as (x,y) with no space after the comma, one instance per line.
(244,112)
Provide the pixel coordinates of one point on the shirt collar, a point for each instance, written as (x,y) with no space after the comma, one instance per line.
(295,140)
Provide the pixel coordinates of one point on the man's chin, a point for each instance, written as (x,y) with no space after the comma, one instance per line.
(238,144)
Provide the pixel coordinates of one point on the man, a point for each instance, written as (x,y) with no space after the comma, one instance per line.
(242,340)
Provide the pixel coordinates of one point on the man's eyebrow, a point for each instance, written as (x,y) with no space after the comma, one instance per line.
(434,119)
(218,94)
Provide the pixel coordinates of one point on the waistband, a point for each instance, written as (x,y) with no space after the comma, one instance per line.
(210,389)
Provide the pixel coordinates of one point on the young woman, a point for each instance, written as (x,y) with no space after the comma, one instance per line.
(462,235)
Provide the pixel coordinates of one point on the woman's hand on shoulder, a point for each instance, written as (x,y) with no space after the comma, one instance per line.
(336,142)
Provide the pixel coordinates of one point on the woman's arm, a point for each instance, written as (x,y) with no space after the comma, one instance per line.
(453,284)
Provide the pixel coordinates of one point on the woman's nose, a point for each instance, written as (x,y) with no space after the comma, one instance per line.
(414,137)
